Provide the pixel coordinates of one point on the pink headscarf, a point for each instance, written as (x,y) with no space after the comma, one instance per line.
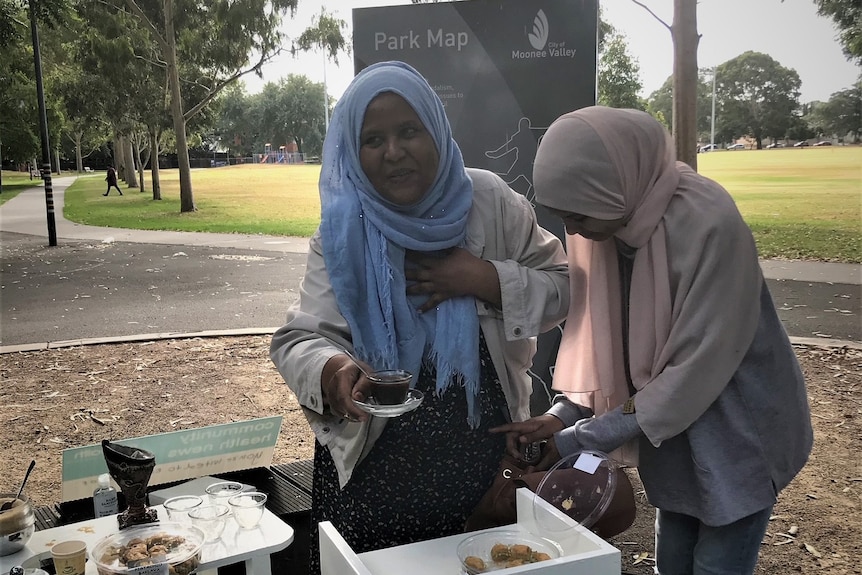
(694,299)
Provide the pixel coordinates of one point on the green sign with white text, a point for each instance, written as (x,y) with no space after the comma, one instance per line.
(185,454)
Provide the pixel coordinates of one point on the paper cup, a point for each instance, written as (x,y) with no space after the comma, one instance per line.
(69,557)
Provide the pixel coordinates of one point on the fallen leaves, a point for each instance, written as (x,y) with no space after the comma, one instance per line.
(790,537)
(812,550)
(175,422)
(639,558)
(90,414)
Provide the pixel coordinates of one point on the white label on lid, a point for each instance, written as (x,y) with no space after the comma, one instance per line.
(156,569)
(588,463)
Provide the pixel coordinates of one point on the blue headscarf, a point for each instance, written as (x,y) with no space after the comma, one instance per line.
(365,236)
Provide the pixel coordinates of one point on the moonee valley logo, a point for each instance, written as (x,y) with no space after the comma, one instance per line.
(539,36)
(542,48)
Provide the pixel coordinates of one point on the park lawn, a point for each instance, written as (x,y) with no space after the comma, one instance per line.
(14,183)
(800,203)
(250,199)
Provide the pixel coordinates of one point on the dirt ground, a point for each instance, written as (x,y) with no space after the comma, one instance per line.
(52,400)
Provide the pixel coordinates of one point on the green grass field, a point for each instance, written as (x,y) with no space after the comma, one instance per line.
(14,183)
(249,199)
(800,203)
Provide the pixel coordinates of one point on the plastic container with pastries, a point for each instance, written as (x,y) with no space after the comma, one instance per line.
(126,552)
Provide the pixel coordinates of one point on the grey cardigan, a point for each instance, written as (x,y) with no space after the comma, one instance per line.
(734,458)
(750,443)
(531,264)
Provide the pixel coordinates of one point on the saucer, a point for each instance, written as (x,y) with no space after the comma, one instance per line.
(414,399)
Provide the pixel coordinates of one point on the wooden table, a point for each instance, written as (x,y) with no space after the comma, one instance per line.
(251,546)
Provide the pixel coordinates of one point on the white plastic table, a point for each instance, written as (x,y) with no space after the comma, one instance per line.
(251,546)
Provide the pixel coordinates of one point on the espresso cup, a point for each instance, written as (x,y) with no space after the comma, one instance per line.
(391,386)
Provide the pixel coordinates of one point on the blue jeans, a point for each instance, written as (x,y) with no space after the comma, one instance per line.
(685,546)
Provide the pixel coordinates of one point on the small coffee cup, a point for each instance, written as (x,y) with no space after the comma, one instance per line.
(390,386)
(69,557)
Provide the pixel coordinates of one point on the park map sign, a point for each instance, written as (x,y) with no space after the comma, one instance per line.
(504,69)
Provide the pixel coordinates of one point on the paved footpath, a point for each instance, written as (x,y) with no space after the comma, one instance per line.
(106,284)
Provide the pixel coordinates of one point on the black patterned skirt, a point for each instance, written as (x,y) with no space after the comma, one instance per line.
(424,475)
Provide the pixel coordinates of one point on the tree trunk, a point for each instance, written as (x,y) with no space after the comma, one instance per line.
(154,166)
(57,161)
(143,156)
(136,150)
(685,42)
(131,177)
(187,200)
(79,160)
(119,160)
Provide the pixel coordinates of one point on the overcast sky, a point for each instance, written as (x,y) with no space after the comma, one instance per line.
(790,31)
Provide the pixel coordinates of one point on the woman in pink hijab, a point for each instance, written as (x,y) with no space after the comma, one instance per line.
(673,357)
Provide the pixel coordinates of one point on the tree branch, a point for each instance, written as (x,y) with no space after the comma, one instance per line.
(19,22)
(653,14)
(156,63)
(136,10)
(264,58)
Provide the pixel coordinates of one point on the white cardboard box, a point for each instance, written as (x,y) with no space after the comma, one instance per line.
(584,552)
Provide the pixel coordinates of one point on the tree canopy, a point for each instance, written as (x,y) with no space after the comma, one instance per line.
(757,96)
(286,111)
(205,45)
(841,115)
(325,33)
(15,22)
(660,104)
(619,75)
(19,109)
(847,15)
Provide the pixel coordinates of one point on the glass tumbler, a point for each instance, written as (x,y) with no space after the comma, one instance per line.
(178,507)
(211,519)
(248,508)
(220,492)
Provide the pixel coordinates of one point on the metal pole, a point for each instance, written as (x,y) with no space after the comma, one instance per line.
(712,119)
(43,129)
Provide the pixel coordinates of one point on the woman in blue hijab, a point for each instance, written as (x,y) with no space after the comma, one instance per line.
(423,265)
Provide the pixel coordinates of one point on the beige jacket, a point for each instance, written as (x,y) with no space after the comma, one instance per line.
(531,265)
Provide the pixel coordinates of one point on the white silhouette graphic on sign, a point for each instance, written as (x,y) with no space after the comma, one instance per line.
(516,156)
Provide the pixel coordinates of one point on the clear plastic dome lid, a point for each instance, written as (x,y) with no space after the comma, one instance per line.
(580,486)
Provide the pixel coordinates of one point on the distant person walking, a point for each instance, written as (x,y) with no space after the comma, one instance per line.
(111,178)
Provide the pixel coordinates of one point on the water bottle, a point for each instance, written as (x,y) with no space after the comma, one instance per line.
(105,498)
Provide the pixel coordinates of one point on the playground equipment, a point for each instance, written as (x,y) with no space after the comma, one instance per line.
(287,154)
